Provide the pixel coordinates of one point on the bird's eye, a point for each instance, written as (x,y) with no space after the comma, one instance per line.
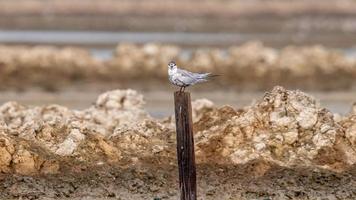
(171,63)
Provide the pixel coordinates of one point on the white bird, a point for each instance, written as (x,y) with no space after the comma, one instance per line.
(183,78)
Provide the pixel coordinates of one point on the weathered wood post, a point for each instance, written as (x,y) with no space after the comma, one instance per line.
(185,146)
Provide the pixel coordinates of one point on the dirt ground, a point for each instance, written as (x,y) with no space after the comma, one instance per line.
(255,180)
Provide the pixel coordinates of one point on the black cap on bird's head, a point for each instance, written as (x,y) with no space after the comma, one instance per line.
(171,64)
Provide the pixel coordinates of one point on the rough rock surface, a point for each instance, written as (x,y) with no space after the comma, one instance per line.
(46,66)
(59,132)
(284,146)
(288,128)
(242,66)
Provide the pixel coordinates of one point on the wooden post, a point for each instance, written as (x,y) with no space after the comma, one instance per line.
(185,146)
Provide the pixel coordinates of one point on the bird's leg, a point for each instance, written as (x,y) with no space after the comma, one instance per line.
(183,89)
(180,89)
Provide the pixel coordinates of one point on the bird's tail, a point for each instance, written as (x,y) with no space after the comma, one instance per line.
(213,75)
(209,75)
(205,77)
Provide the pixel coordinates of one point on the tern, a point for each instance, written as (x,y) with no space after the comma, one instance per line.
(183,78)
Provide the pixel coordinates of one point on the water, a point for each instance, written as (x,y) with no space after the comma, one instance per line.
(108,38)
(160,103)
(112,38)
(350,52)
(102,43)
(107,53)
(102,53)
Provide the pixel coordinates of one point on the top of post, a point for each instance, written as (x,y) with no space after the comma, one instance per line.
(181,93)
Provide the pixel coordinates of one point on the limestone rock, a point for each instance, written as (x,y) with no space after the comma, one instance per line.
(288,128)
(24,162)
(284,128)
(199,107)
(61,132)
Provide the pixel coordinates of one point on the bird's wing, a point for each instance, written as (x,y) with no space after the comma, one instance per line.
(186,77)
(190,74)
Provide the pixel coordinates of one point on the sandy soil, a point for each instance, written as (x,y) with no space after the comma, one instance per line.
(249,181)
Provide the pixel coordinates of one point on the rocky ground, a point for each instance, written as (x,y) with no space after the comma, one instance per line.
(283,146)
(251,66)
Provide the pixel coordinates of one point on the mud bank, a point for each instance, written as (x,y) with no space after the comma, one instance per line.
(335,16)
(251,66)
(283,146)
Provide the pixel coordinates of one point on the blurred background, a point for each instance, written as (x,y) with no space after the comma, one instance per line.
(67,52)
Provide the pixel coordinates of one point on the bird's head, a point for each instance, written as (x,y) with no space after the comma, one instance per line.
(172,65)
